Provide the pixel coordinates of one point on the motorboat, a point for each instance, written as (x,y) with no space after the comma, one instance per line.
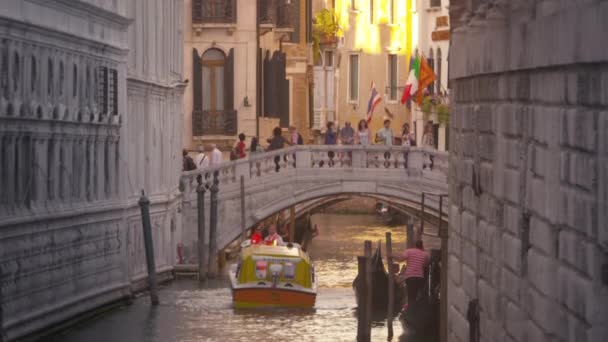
(273,276)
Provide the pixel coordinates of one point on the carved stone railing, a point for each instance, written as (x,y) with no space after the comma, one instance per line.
(385,161)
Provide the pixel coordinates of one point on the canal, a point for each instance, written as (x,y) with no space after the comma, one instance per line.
(189,312)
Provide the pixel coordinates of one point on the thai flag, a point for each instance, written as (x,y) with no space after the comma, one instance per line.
(374,99)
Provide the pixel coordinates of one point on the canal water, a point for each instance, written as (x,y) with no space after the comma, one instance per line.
(189,312)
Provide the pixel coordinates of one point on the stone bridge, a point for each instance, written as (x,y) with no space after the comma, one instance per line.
(300,175)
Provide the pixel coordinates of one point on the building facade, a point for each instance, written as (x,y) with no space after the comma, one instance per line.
(528,171)
(376,42)
(373,46)
(248,62)
(90,115)
(433,31)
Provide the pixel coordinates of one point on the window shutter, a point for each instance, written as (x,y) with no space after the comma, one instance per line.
(229,81)
(197,94)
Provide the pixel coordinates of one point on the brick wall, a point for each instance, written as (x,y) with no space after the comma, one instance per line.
(529,172)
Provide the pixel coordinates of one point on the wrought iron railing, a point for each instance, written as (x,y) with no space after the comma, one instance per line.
(283,19)
(214,122)
(213,11)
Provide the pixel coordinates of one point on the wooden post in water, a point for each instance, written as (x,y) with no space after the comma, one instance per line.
(362,335)
(202,251)
(443,309)
(144,204)
(292,223)
(370,289)
(391,285)
(212,266)
(243,223)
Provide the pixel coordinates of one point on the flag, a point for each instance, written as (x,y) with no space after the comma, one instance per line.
(374,99)
(427,77)
(411,87)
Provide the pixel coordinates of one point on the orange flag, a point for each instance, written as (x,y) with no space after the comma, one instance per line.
(427,76)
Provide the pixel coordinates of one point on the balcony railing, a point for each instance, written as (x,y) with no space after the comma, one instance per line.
(275,12)
(214,122)
(213,11)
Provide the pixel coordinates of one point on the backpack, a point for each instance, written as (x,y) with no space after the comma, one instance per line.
(300,139)
(234,154)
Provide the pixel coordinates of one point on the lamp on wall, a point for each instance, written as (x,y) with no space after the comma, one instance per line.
(246,101)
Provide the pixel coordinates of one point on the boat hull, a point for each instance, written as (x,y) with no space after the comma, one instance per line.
(245,298)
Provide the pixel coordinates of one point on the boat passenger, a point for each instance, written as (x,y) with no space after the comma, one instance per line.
(284,232)
(273,237)
(256,236)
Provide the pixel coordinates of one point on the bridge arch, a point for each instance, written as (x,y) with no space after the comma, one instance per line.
(274,181)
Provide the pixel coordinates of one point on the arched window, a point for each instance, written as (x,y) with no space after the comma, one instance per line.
(431,61)
(438,71)
(33,74)
(61,78)
(16,72)
(75,81)
(213,61)
(49,78)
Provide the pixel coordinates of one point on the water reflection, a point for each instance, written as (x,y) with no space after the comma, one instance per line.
(191,313)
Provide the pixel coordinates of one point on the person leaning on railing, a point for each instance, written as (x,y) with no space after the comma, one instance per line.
(277,142)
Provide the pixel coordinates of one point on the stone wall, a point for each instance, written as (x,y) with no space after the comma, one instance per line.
(529,171)
(90,114)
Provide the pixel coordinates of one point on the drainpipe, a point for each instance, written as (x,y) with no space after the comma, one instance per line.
(258,71)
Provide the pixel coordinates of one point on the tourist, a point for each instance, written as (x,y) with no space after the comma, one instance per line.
(331,135)
(277,141)
(362,133)
(406,140)
(295,137)
(256,235)
(201,160)
(254,146)
(347,134)
(273,237)
(417,259)
(428,141)
(385,134)
(187,162)
(240,147)
(216,156)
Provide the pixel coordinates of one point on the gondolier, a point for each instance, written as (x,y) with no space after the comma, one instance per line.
(417,259)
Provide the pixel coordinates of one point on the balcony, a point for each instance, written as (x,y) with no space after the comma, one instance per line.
(214,122)
(213,11)
(276,15)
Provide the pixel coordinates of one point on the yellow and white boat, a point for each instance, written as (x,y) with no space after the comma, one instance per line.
(273,276)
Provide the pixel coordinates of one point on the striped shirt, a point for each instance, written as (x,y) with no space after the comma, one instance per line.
(416,259)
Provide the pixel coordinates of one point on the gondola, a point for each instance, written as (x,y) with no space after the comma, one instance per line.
(379,286)
(423,315)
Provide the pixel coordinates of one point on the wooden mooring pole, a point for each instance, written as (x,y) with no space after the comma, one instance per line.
(202,250)
(391,285)
(243,224)
(361,310)
(144,204)
(443,310)
(370,289)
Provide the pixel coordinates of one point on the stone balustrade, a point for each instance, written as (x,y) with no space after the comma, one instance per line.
(279,179)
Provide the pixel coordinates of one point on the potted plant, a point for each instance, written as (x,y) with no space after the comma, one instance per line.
(325,31)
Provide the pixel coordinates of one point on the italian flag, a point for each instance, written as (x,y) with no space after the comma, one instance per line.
(411,87)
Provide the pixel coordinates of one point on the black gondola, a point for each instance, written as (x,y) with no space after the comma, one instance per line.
(379,286)
(423,315)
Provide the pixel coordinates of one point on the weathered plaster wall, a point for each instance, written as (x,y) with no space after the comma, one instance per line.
(528,171)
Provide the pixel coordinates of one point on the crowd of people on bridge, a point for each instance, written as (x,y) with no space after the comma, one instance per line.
(347,135)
